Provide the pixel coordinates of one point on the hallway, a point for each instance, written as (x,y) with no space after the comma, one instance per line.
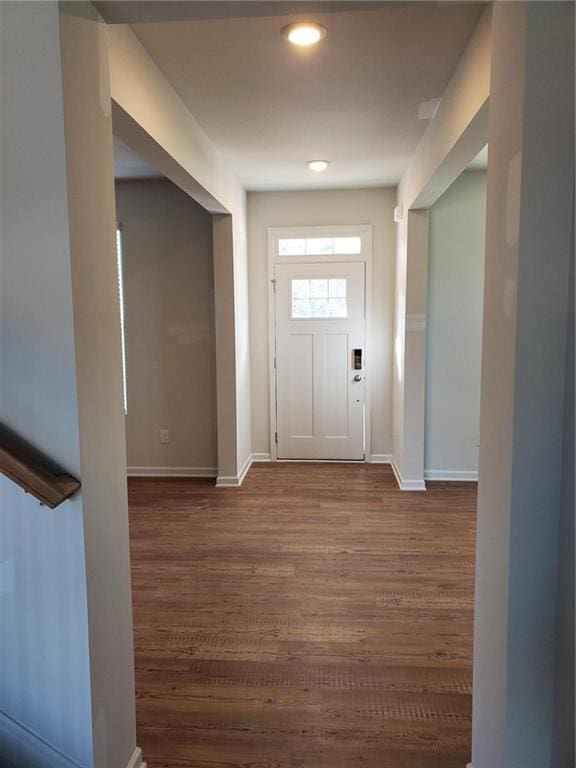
(316,617)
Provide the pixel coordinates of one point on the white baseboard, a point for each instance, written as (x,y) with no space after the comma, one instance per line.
(261,457)
(221,480)
(454,475)
(172,471)
(379,458)
(136,759)
(235,481)
(404,484)
(21,747)
(227,481)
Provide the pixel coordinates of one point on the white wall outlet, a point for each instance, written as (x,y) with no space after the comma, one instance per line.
(164,436)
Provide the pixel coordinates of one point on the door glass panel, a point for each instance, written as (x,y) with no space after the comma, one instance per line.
(319,298)
(318,307)
(337,289)
(337,307)
(300,289)
(319,289)
(301,308)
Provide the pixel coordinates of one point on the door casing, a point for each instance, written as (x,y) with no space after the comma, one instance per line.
(364,231)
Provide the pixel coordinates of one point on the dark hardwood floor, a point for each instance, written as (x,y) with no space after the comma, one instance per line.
(317,617)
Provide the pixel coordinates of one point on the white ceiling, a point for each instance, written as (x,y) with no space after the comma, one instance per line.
(353,99)
(129,165)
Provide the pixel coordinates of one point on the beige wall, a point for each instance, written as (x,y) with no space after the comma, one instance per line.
(336,207)
(457,223)
(169,305)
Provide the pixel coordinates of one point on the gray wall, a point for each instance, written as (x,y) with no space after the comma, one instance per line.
(563,736)
(457,223)
(44,669)
(169,305)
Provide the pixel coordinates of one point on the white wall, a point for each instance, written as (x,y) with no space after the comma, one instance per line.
(152,119)
(169,310)
(322,207)
(529,249)
(456,246)
(66,632)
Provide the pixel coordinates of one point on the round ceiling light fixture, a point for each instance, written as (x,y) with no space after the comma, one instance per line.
(317,165)
(304,33)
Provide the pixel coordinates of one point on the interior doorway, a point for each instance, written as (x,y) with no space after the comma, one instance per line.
(166,285)
(456,248)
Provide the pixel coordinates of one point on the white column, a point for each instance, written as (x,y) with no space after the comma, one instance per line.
(528,252)
(92,216)
(224,313)
(415,349)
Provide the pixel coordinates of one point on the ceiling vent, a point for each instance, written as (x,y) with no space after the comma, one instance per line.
(428,109)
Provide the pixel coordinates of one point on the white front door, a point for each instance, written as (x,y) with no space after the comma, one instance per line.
(320,343)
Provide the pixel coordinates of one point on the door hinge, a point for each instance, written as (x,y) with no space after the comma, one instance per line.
(273,285)
(274,363)
(276,437)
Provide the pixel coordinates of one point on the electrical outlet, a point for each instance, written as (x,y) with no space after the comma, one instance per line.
(164,436)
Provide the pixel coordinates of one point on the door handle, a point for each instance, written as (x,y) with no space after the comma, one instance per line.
(357,377)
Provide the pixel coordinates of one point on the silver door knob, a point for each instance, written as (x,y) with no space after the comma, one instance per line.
(357,377)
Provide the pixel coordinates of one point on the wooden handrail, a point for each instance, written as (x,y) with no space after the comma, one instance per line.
(32,471)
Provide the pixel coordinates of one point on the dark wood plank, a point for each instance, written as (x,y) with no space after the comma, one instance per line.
(317,617)
(34,473)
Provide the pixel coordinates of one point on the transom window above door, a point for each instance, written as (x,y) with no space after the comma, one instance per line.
(319,298)
(319,246)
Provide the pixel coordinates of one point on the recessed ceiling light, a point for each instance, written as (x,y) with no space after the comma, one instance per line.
(304,33)
(318,165)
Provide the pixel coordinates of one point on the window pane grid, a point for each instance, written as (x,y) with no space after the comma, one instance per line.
(319,246)
(319,298)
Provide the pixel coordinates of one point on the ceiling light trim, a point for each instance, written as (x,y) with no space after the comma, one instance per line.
(318,166)
(304,33)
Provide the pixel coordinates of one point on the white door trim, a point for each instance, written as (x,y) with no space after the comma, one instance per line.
(364,231)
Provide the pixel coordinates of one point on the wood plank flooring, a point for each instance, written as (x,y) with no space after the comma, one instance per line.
(317,617)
